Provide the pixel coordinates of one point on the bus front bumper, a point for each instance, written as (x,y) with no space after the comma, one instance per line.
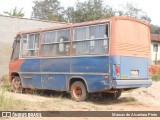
(131,83)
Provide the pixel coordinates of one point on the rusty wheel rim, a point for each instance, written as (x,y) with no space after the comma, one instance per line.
(77,91)
(17,85)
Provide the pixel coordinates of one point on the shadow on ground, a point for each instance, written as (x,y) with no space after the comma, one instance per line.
(92,98)
(109,101)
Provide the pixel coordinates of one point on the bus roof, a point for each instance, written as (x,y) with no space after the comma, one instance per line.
(69,25)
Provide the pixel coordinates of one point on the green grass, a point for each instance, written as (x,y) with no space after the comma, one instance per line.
(5,84)
(156,78)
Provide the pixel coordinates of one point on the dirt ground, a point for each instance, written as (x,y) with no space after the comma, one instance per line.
(142,99)
(138,100)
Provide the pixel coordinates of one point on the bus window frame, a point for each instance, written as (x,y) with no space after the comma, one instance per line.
(53,56)
(21,51)
(107,23)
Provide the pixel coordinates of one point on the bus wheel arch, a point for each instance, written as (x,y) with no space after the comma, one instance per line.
(78,89)
(12,75)
(16,83)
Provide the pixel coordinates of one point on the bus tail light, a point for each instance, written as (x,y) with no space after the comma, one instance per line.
(118,70)
(149,70)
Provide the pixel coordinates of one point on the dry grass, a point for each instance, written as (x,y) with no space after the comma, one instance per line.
(39,100)
(6,101)
(5,84)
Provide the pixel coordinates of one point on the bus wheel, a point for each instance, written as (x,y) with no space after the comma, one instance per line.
(16,85)
(79,91)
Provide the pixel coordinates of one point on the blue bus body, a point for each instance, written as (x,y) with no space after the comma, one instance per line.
(56,73)
(125,65)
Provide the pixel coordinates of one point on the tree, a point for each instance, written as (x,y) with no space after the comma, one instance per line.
(155,29)
(15,12)
(48,10)
(88,10)
(70,15)
(131,10)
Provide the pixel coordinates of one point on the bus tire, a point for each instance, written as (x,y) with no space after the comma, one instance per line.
(79,91)
(16,85)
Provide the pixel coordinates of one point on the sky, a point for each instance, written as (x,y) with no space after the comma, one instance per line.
(151,7)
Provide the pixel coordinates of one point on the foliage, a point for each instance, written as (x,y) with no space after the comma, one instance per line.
(70,15)
(15,12)
(88,10)
(5,84)
(156,72)
(156,78)
(48,10)
(155,29)
(84,11)
(131,10)
(155,69)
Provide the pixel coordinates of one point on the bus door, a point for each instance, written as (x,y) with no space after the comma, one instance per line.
(30,68)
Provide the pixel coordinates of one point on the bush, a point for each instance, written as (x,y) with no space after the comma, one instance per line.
(155,69)
(5,84)
(156,78)
(156,72)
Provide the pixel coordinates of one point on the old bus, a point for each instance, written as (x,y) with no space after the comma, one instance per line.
(104,56)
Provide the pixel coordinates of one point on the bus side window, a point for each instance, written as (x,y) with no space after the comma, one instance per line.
(92,44)
(107,31)
(30,45)
(106,39)
(61,45)
(91,40)
(64,41)
(56,43)
(105,44)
